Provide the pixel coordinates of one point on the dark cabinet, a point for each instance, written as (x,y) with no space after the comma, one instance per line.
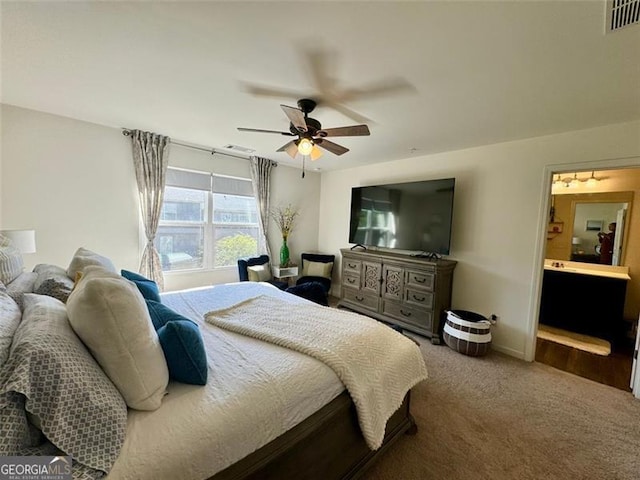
(588,304)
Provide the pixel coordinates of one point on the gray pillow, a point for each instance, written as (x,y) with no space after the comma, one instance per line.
(22,284)
(51,374)
(9,320)
(53,281)
(11,264)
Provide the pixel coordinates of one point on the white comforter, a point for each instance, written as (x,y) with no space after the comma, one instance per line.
(255,392)
(377,365)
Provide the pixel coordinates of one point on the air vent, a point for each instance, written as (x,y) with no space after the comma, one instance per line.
(238,148)
(622,13)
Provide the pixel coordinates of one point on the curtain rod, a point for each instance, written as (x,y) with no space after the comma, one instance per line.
(127,132)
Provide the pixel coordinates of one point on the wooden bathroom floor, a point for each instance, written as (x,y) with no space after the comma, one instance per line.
(613,370)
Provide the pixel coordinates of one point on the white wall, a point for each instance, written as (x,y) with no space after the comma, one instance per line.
(71,181)
(497,220)
(74,183)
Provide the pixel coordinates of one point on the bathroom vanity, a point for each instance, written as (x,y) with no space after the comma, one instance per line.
(584,298)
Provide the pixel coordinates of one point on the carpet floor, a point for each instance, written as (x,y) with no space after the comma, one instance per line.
(497,417)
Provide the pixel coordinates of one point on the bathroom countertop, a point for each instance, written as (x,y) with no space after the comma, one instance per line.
(608,271)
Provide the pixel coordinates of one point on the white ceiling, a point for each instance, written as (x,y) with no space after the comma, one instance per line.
(480,72)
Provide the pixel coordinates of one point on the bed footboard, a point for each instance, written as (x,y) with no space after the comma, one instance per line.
(327,445)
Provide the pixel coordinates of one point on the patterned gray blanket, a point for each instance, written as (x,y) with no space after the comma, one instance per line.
(54,398)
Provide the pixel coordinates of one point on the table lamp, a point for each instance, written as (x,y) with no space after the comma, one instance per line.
(23,240)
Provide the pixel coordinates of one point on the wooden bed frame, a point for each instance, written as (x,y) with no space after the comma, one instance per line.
(327,445)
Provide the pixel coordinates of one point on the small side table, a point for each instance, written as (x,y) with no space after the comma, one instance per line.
(284,272)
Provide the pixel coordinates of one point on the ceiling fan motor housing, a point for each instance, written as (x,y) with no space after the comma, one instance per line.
(313,126)
(306,105)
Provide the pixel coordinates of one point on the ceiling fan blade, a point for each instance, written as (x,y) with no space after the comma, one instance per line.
(320,63)
(316,153)
(291,148)
(296,117)
(351,131)
(332,147)
(259,130)
(347,112)
(381,88)
(267,91)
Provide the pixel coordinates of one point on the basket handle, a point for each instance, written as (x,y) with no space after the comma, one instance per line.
(485,322)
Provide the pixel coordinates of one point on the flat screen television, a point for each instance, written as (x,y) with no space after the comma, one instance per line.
(407,216)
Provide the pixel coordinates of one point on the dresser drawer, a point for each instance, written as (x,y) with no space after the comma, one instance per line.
(351,280)
(420,279)
(366,301)
(415,316)
(418,298)
(351,266)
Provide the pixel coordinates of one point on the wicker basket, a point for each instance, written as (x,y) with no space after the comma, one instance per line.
(467,332)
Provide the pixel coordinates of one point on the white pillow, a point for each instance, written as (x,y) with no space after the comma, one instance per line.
(10,316)
(110,316)
(11,264)
(259,273)
(316,269)
(84,258)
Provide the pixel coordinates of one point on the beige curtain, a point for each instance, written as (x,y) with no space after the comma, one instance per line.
(150,159)
(261,179)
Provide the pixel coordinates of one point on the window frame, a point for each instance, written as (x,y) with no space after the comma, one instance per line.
(208,225)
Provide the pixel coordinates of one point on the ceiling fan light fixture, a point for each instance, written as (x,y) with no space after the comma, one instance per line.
(305,146)
(316,153)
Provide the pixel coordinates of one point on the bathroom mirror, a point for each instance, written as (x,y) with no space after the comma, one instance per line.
(595,227)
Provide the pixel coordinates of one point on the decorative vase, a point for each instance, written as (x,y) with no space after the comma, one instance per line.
(284,253)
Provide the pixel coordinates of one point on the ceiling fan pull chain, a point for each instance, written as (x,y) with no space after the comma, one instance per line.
(303,159)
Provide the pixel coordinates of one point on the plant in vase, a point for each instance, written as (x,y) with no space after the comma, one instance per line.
(285,219)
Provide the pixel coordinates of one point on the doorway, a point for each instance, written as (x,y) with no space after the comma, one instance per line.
(588,309)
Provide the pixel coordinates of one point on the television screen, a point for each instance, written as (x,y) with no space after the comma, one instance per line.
(406,216)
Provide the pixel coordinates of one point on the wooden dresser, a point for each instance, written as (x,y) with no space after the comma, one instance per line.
(408,291)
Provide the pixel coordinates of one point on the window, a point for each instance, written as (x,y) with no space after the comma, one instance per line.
(206,221)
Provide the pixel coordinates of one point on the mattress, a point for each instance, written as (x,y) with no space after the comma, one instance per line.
(255,392)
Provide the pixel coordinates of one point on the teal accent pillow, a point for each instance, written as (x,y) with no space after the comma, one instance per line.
(184,351)
(161,314)
(148,288)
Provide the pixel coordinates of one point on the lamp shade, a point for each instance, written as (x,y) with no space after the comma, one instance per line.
(575,241)
(305,146)
(24,240)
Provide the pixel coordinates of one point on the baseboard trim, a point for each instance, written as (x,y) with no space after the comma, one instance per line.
(508,351)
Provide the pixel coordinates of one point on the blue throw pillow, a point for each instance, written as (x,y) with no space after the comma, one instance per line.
(148,288)
(161,314)
(184,351)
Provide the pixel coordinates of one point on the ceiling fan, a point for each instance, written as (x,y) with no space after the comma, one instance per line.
(311,136)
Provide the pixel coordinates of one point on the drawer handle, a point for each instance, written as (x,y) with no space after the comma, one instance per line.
(419,279)
(351,280)
(359,298)
(419,299)
(351,265)
(406,314)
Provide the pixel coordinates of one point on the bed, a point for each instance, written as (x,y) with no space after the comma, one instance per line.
(265,411)
(316,434)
